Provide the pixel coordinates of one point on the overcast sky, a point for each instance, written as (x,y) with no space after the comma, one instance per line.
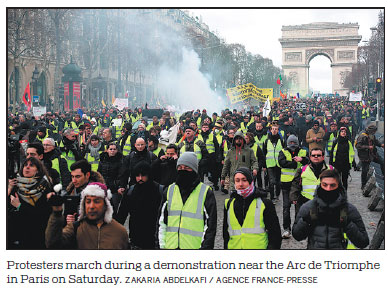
(259,31)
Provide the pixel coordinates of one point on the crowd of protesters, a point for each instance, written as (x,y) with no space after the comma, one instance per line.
(75,177)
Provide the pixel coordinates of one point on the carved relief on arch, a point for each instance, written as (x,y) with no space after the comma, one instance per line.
(313,52)
(293,76)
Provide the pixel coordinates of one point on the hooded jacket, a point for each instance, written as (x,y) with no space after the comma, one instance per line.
(326,230)
(236,158)
(109,168)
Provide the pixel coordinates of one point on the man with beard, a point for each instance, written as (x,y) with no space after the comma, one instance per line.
(188,214)
(290,159)
(240,155)
(142,203)
(70,150)
(139,154)
(95,228)
(153,146)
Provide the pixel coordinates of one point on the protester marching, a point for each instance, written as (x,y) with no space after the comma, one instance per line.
(72,174)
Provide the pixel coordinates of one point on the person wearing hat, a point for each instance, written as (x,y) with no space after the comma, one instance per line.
(250,220)
(314,136)
(207,163)
(188,214)
(239,155)
(95,228)
(329,221)
(245,124)
(190,143)
(290,159)
(366,144)
(42,134)
(153,146)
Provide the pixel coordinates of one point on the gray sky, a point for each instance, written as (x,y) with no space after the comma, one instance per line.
(259,31)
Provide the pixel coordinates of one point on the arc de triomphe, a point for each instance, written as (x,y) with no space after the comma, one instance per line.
(301,43)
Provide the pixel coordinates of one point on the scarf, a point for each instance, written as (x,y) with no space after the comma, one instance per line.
(31,189)
(94,151)
(247,191)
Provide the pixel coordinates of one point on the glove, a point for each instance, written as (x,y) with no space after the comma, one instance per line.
(55,200)
(307,219)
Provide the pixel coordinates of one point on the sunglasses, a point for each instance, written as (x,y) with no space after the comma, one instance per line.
(316,156)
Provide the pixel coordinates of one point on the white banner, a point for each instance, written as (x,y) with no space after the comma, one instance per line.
(120,103)
(355,97)
(266,108)
(38,111)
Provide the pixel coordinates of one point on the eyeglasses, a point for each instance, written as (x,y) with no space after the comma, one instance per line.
(316,156)
(48,145)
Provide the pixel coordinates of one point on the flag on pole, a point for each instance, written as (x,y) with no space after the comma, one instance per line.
(267,108)
(284,96)
(103,103)
(279,80)
(27,102)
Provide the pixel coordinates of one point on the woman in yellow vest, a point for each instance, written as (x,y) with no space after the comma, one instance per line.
(342,155)
(250,220)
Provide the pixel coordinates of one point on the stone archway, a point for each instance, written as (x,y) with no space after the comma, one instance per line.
(301,43)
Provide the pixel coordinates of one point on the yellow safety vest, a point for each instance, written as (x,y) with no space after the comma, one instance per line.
(288,174)
(252,234)
(330,141)
(185,224)
(351,153)
(261,141)
(43,138)
(157,151)
(127,147)
(209,143)
(197,150)
(69,157)
(93,161)
(273,154)
(365,113)
(309,182)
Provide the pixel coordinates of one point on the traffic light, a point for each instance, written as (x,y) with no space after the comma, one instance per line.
(378,84)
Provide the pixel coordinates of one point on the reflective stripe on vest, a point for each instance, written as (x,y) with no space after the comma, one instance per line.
(185,226)
(252,234)
(351,153)
(93,161)
(261,141)
(209,143)
(309,182)
(43,138)
(288,174)
(127,147)
(254,148)
(69,157)
(273,154)
(197,150)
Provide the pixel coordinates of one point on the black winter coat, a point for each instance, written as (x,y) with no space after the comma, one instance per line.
(142,204)
(270,217)
(325,232)
(109,168)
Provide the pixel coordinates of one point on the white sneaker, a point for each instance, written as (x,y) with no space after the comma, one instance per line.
(286,234)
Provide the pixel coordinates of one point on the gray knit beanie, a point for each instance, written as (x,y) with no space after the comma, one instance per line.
(188,159)
(292,138)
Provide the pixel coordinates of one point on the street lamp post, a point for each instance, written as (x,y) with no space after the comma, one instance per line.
(35,77)
(378,71)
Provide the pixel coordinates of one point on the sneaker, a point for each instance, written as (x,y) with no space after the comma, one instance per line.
(286,233)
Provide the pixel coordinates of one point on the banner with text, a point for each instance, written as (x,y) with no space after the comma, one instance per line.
(355,97)
(243,92)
